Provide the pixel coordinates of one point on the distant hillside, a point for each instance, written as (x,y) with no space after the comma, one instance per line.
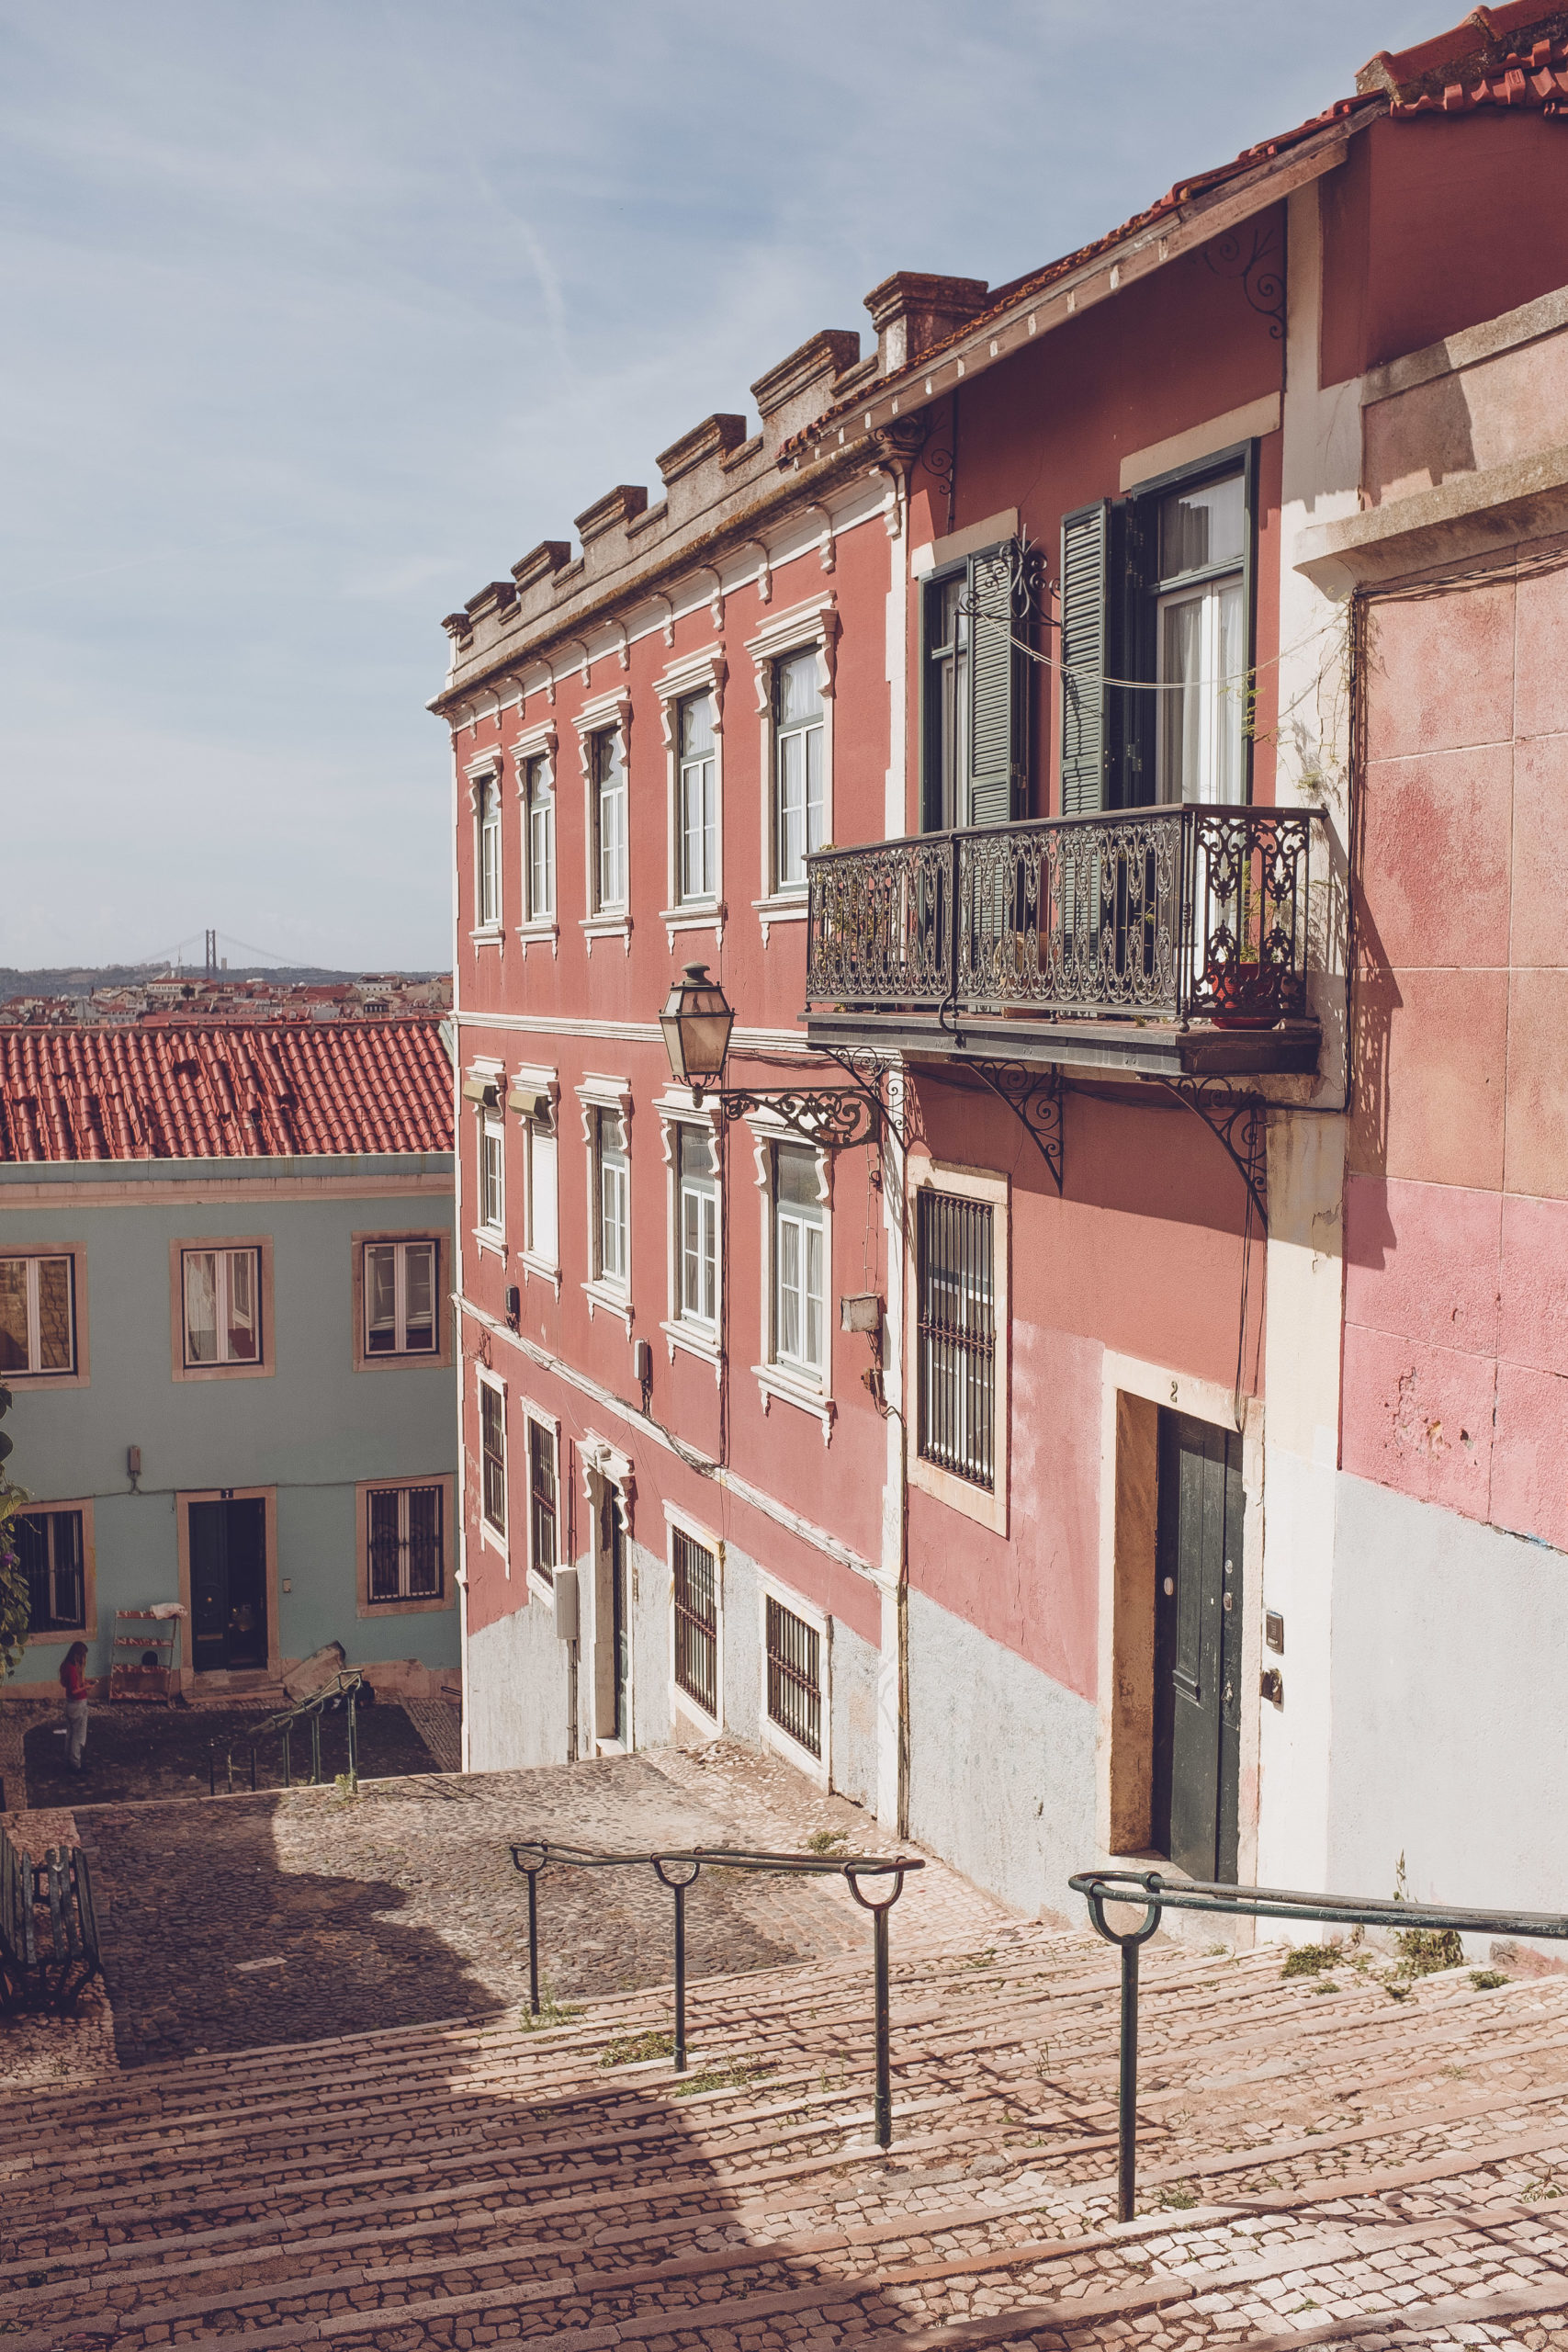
(82,979)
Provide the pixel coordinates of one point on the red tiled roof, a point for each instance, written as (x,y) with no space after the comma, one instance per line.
(1515,56)
(223,1089)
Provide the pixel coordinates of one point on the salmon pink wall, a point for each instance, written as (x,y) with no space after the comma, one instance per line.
(1456,1338)
(1434,224)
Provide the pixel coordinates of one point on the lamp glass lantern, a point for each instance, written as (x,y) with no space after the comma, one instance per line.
(696,1021)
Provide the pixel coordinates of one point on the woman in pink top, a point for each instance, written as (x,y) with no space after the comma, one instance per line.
(74,1680)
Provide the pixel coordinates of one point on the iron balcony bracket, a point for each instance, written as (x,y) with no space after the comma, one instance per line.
(832,1118)
(1240,1125)
(1035,1102)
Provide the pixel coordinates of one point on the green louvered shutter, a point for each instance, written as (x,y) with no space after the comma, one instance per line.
(998,696)
(1086,746)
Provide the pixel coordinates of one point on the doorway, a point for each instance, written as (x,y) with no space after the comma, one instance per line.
(611,1622)
(228,1584)
(1198,1633)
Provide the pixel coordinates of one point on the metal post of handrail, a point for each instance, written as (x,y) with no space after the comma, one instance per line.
(352,1733)
(315,1748)
(541,1854)
(883,2103)
(679,1886)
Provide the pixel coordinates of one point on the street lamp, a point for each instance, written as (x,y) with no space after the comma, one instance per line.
(697,1022)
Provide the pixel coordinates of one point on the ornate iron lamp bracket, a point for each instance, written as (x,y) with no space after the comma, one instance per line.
(833,1118)
(1035,1098)
(1239,1123)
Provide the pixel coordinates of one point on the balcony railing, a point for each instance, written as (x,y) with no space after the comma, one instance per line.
(1196,913)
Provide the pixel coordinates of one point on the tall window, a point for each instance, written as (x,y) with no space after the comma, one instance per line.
(799,1272)
(698,800)
(540,802)
(487,875)
(1200,637)
(609,821)
(407,1559)
(947,704)
(492,1175)
(49,1548)
(699,1226)
(612,1175)
(798,757)
(696,1619)
(400,1299)
(957,1368)
(492,1456)
(36,1321)
(541,1177)
(542,1501)
(222,1305)
(794,1676)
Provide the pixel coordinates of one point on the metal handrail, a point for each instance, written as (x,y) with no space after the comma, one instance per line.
(347,1684)
(1158,1894)
(534,1855)
(46,1971)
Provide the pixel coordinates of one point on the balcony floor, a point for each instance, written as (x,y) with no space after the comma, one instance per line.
(1107,1049)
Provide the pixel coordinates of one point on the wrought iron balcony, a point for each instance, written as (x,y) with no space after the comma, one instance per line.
(1147,916)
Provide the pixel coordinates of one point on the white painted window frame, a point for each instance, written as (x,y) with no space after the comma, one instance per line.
(776,1380)
(538,743)
(690,1333)
(222,1254)
(596,1097)
(774,1737)
(400,1349)
(532,1416)
(812,624)
(536,1264)
(33,1260)
(481,773)
(682,1701)
(605,713)
(994,1189)
(704,673)
(498,1539)
(490,1128)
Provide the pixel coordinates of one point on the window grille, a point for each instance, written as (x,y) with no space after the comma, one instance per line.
(49,1547)
(406,1549)
(542,1500)
(957,1337)
(492,1449)
(696,1622)
(795,1676)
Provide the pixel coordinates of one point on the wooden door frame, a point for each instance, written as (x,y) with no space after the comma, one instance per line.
(182,1499)
(1132,1394)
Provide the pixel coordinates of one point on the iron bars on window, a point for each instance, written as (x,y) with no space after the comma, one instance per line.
(957,1367)
(794,1676)
(1198,911)
(697,1621)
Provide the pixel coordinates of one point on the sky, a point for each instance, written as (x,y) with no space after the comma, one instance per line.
(320,312)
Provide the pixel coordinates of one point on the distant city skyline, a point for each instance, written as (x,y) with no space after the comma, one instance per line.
(320,319)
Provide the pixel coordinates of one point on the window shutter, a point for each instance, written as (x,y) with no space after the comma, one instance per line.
(1086,559)
(998,698)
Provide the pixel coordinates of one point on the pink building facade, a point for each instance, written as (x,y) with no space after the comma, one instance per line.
(1105,733)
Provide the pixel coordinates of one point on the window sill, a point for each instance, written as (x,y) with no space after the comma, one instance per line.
(497,1542)
(695,1339)
(698,914)
(773,1380)
(988,1507)
(263,1371)
(404,1608)
(784,906)
(539,1590)
(537,1270)
(494,1242)
(539,934)
(428,1359)
(611,1302)
(682,1703)
(785,1745)
(491,934)
(607,926)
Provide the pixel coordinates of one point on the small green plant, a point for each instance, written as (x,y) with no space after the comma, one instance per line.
(1325,1984)
(551,2011)
(634,2049)
(1487,1980)
(823,1841)
(347,1786)
(1310,1960)
(736,2076)
(1179,2198)
(981,1959)
(1424,1951)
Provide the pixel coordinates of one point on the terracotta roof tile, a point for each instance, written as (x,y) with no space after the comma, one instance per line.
(223,1090)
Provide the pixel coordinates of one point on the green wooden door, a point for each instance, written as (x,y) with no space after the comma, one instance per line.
(228,1584)
(1198,1647)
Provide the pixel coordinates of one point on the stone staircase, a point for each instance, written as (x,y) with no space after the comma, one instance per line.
(1338,2166)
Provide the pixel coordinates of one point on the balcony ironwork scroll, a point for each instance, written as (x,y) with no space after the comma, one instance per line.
(1194,912)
